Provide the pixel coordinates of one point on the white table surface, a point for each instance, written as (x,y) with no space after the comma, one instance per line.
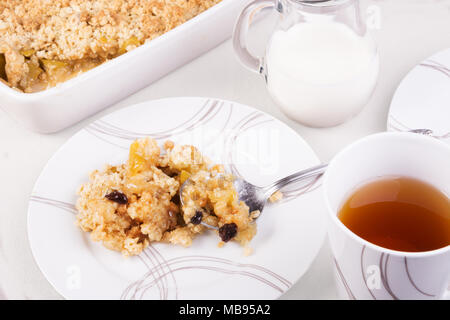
(410,31)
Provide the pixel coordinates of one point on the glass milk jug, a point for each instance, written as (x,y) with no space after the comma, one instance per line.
(320,66)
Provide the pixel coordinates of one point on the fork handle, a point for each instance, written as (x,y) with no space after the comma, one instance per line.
(312,172)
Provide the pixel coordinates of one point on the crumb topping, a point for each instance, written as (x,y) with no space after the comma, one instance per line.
(77,29)
(45,42)
(130,205)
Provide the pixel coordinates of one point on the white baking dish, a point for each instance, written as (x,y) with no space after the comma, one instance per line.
(69,102)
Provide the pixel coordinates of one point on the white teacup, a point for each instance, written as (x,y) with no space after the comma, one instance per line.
(365,270)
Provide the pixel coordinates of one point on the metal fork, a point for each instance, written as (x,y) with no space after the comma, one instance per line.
(256,197)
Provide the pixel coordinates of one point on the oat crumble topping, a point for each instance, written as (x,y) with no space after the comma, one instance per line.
(38,36)
(128,206)
(276,196)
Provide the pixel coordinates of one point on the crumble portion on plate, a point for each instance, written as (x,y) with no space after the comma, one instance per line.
(212,198)
(44,42)
(130,205)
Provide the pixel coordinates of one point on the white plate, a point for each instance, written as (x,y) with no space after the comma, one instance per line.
(249,142)
(422,101)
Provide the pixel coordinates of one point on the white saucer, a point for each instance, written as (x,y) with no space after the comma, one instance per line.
(422,101)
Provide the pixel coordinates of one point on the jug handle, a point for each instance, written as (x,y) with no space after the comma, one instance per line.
(255,64)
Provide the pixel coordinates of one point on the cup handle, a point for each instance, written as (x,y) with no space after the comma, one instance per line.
(240,33)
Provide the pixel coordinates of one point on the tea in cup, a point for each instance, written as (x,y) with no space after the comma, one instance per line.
(389,217)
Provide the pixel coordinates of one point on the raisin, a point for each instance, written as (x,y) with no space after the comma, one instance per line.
(197,218)
(117,196)
(176,199)
(228,231)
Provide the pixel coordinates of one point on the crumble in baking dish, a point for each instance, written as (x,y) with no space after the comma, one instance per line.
(43,42)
